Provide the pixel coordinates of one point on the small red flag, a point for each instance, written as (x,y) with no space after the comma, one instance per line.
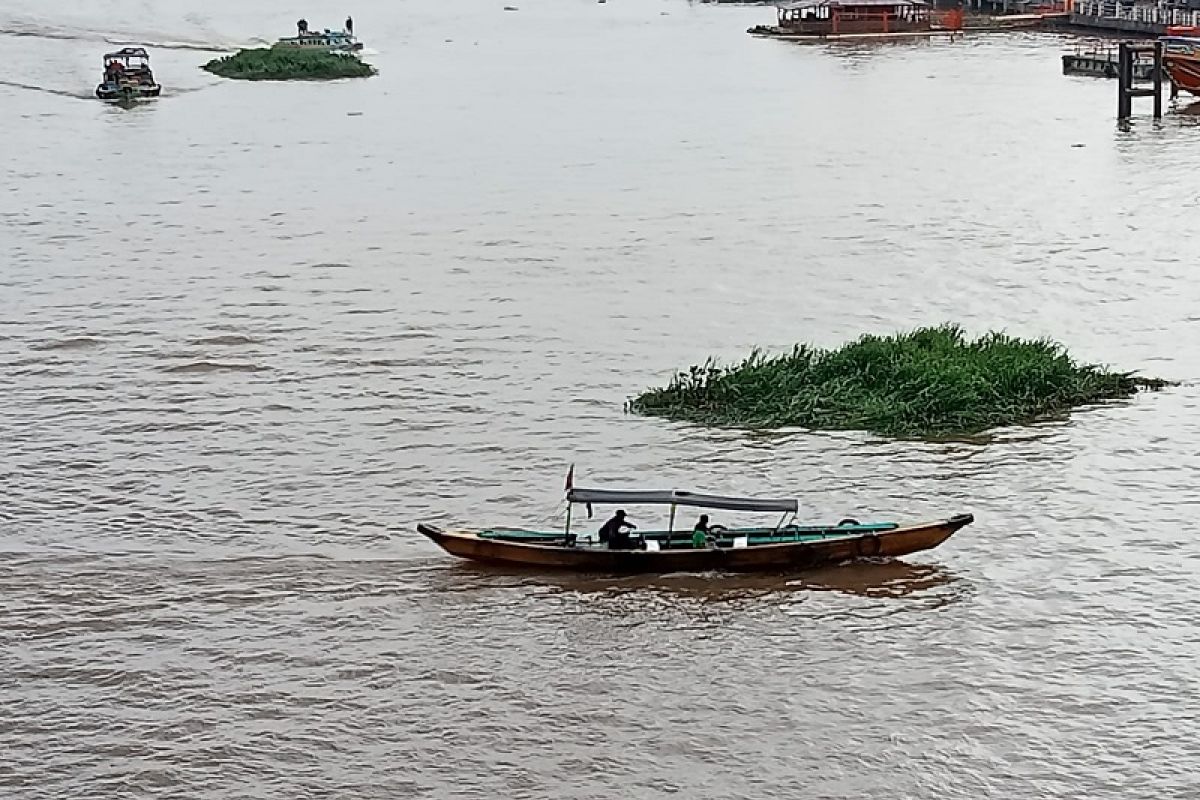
(570,477)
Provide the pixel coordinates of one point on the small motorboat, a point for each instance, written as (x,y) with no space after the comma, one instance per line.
(127,76)
(784,546)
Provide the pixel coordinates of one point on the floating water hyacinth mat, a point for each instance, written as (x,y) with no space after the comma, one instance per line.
(929,382)
(281,64)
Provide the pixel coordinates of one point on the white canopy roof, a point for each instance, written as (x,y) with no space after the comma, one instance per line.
(678,497)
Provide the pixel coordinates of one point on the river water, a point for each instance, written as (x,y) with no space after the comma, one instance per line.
(252,333)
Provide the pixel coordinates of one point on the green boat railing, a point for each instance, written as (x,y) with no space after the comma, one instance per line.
(755,536)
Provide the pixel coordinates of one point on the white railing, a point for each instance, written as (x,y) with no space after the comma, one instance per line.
(1154,15)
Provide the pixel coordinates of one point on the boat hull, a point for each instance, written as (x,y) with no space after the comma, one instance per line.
(899,541)
(953,25)
(1184,73)
(790,35)
(331,44)
(115,93)
(1181,62)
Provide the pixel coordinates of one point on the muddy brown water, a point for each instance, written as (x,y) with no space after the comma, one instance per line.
(251,334)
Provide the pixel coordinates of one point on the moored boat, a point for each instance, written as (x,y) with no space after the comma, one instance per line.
(1181,62)
(841,19)
(822,20)
(783,546)
(127,76)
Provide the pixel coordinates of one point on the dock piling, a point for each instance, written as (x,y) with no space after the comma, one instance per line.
(1127,54)
(1158,75)
(1124,80)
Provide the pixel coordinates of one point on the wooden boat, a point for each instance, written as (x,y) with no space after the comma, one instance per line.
(781,547)
(127,76)
(1181,61)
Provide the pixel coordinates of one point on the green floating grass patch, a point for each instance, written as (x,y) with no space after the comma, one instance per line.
(930,382)
(281,64)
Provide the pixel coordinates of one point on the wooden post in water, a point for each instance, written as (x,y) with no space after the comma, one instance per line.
(1158,75)
(1127,53)
(1124,81)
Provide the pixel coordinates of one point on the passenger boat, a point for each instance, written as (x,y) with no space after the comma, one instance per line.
(825,19)
(821,20)
(127,76)
(331,41)
(783,546)
(1181,61)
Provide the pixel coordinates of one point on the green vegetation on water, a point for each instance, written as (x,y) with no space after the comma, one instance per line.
(930,382)
(285,64)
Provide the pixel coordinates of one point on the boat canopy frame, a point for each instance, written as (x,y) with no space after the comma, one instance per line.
(125,54)
(678,497)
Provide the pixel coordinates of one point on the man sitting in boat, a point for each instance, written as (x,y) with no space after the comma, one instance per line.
(614,534)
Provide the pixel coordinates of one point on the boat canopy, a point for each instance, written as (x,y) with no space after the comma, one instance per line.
(130,56)
(128,52)
(677,497)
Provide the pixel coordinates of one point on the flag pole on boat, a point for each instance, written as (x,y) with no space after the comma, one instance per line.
(570,483)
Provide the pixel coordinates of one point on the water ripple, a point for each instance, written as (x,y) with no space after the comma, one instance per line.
(247,341)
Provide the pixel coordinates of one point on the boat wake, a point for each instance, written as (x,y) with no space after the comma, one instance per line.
(124,39)
(178,90)
(90,95)
(203,47)
(47,90)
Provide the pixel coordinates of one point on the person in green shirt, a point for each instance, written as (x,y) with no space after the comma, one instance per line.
(700,533)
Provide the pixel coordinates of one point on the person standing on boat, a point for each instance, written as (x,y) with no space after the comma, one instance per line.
(614,534)
(700,533)
(350,26)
